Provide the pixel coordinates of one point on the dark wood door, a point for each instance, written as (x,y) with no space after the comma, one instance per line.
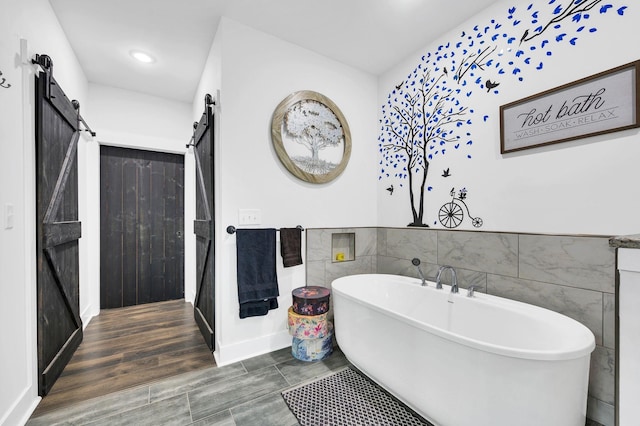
(58,228)
(204,305)
(141,227)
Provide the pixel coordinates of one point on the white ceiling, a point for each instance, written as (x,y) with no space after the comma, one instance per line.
(371,35)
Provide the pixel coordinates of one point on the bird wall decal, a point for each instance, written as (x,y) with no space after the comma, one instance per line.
(491,85)
(390,189)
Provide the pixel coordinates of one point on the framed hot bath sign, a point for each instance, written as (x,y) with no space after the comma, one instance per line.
(602,103)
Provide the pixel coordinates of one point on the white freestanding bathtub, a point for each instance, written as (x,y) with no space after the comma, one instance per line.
(459,360)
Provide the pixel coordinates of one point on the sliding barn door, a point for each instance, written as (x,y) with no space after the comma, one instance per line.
(58,228)
(141,227)
(204,305)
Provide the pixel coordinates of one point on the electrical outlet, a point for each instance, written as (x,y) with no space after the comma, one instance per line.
(249,216)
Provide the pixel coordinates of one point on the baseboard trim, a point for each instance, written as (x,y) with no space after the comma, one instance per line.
(22,409)
(228,354)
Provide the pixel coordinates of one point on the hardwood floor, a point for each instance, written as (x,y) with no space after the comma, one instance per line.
(127,347)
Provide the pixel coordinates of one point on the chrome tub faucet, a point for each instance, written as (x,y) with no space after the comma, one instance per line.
(454,279)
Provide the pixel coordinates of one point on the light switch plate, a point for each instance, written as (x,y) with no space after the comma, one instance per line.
(249,216)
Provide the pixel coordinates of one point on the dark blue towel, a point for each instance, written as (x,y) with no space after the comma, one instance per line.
(256,269)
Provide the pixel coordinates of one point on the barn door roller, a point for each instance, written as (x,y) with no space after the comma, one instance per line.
(46,64)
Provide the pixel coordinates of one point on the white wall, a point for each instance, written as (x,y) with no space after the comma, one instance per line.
(257,71)
(33,21)
(135,120)
(581,187)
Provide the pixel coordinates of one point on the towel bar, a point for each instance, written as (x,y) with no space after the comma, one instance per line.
(232,229)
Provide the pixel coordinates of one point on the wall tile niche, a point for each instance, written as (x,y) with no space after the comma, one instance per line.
(343,247)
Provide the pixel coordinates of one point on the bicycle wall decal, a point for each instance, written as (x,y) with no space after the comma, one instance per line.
(451,214)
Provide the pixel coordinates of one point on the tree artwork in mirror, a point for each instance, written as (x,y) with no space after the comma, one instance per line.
(311,136)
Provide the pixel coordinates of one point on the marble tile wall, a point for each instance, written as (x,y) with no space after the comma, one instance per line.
(573,275)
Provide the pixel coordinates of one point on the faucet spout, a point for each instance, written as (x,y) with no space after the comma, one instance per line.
(416,263)
(454,279)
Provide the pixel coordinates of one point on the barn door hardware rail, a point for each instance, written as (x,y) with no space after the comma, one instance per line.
(208,102)
(46,64)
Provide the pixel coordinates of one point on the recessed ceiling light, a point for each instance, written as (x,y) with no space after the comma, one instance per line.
(142,57)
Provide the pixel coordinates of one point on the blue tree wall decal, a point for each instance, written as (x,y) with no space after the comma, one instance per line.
(428,114)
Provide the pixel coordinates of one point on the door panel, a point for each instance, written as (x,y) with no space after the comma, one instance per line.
(203,227)
(141,227)
(58,228)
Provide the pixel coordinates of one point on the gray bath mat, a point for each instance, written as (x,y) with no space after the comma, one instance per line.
(350,399)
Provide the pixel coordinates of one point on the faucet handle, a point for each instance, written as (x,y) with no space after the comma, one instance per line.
(472,289)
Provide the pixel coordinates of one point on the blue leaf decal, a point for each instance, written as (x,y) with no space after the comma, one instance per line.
(468,156)
(516,22)
(511,40)
(573,41)
(539,67)
(557,10)
(456,146)
(501,71)
(605,8)
(580,29)
(544,43)
(470,143)
(621,10)
(559,37)
(516,71)
(576,17)
(518,53)
(527,61)
(429,188)
(485,118)
(511,10)
(592,30)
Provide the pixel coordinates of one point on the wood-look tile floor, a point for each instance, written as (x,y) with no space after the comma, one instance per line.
(246,393)
(127,347)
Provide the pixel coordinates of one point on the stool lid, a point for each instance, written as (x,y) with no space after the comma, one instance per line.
(311,292)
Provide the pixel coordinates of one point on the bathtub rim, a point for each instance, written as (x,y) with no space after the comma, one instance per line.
(581,350)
